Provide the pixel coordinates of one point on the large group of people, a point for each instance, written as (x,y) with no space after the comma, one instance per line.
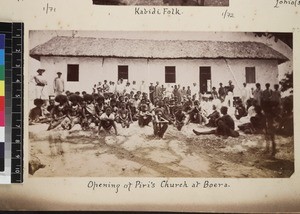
(159,106)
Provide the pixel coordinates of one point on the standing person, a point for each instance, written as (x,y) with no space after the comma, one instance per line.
(276,96)
(157,90)
(168,90)
(214,93)
(257,94)
(119,87)
(127,88)
(105,87)
(229,94)
(111,89)
(94,89)
(143,87)
(188,91)
(151,92)
(58,84)
(266,99)
(222,93)
(41,84)
(162,91)
(134,87)
(177,94)
(245,94)
(195,92)
(182,92)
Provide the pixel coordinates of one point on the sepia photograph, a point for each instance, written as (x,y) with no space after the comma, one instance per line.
(163,2)
(160,104)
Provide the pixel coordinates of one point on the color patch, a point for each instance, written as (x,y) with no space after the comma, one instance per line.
(2,41)
(2,103)
(2,76)
(2,118)
(2,88)
(1,57)
(2,131)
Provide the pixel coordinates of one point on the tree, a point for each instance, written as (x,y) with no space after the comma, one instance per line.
(287,38)
(287,82)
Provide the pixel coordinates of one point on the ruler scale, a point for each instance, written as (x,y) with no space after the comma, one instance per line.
(13,145)
(2,103)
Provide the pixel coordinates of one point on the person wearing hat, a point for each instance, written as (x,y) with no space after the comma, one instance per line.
(40,83)
(58,84)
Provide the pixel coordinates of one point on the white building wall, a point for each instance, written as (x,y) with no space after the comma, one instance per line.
(93,70)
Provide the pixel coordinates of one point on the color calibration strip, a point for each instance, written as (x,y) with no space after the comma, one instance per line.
(12,103)
(2,103)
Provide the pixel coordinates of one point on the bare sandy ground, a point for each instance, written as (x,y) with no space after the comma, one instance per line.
(135,152)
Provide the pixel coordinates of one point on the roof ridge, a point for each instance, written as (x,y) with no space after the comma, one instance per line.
(151,48)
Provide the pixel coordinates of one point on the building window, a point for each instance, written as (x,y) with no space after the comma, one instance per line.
(170,74)
(73,73)
(250,75)
(123,72)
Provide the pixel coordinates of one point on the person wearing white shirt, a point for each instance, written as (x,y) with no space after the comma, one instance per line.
(246,93)
(134,87)
(195,91)
(143,87)
(41,84)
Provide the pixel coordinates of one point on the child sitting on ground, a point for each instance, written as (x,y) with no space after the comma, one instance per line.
(179,118)
(107,121)
(160,124)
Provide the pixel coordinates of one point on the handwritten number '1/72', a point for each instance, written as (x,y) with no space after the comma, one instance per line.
(227,14)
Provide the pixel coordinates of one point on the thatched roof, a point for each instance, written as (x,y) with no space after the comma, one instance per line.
(154,49)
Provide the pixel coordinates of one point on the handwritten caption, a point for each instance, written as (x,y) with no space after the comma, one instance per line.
(164,184)
(49,9)
(280,3)
(157,11)
(227,14)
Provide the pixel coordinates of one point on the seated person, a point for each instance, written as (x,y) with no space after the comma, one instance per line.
(240,110)
(160,124)
(74,112)
(123,116)
(257,123)
(36,114)
(59,112)
(51,104)
(187,105)
(145,116)
(89,112)
(196,115)
(179,119)
(225,126)
(213,117)
(107,121)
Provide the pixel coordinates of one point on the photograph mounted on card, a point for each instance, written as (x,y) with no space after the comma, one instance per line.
(161,104)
